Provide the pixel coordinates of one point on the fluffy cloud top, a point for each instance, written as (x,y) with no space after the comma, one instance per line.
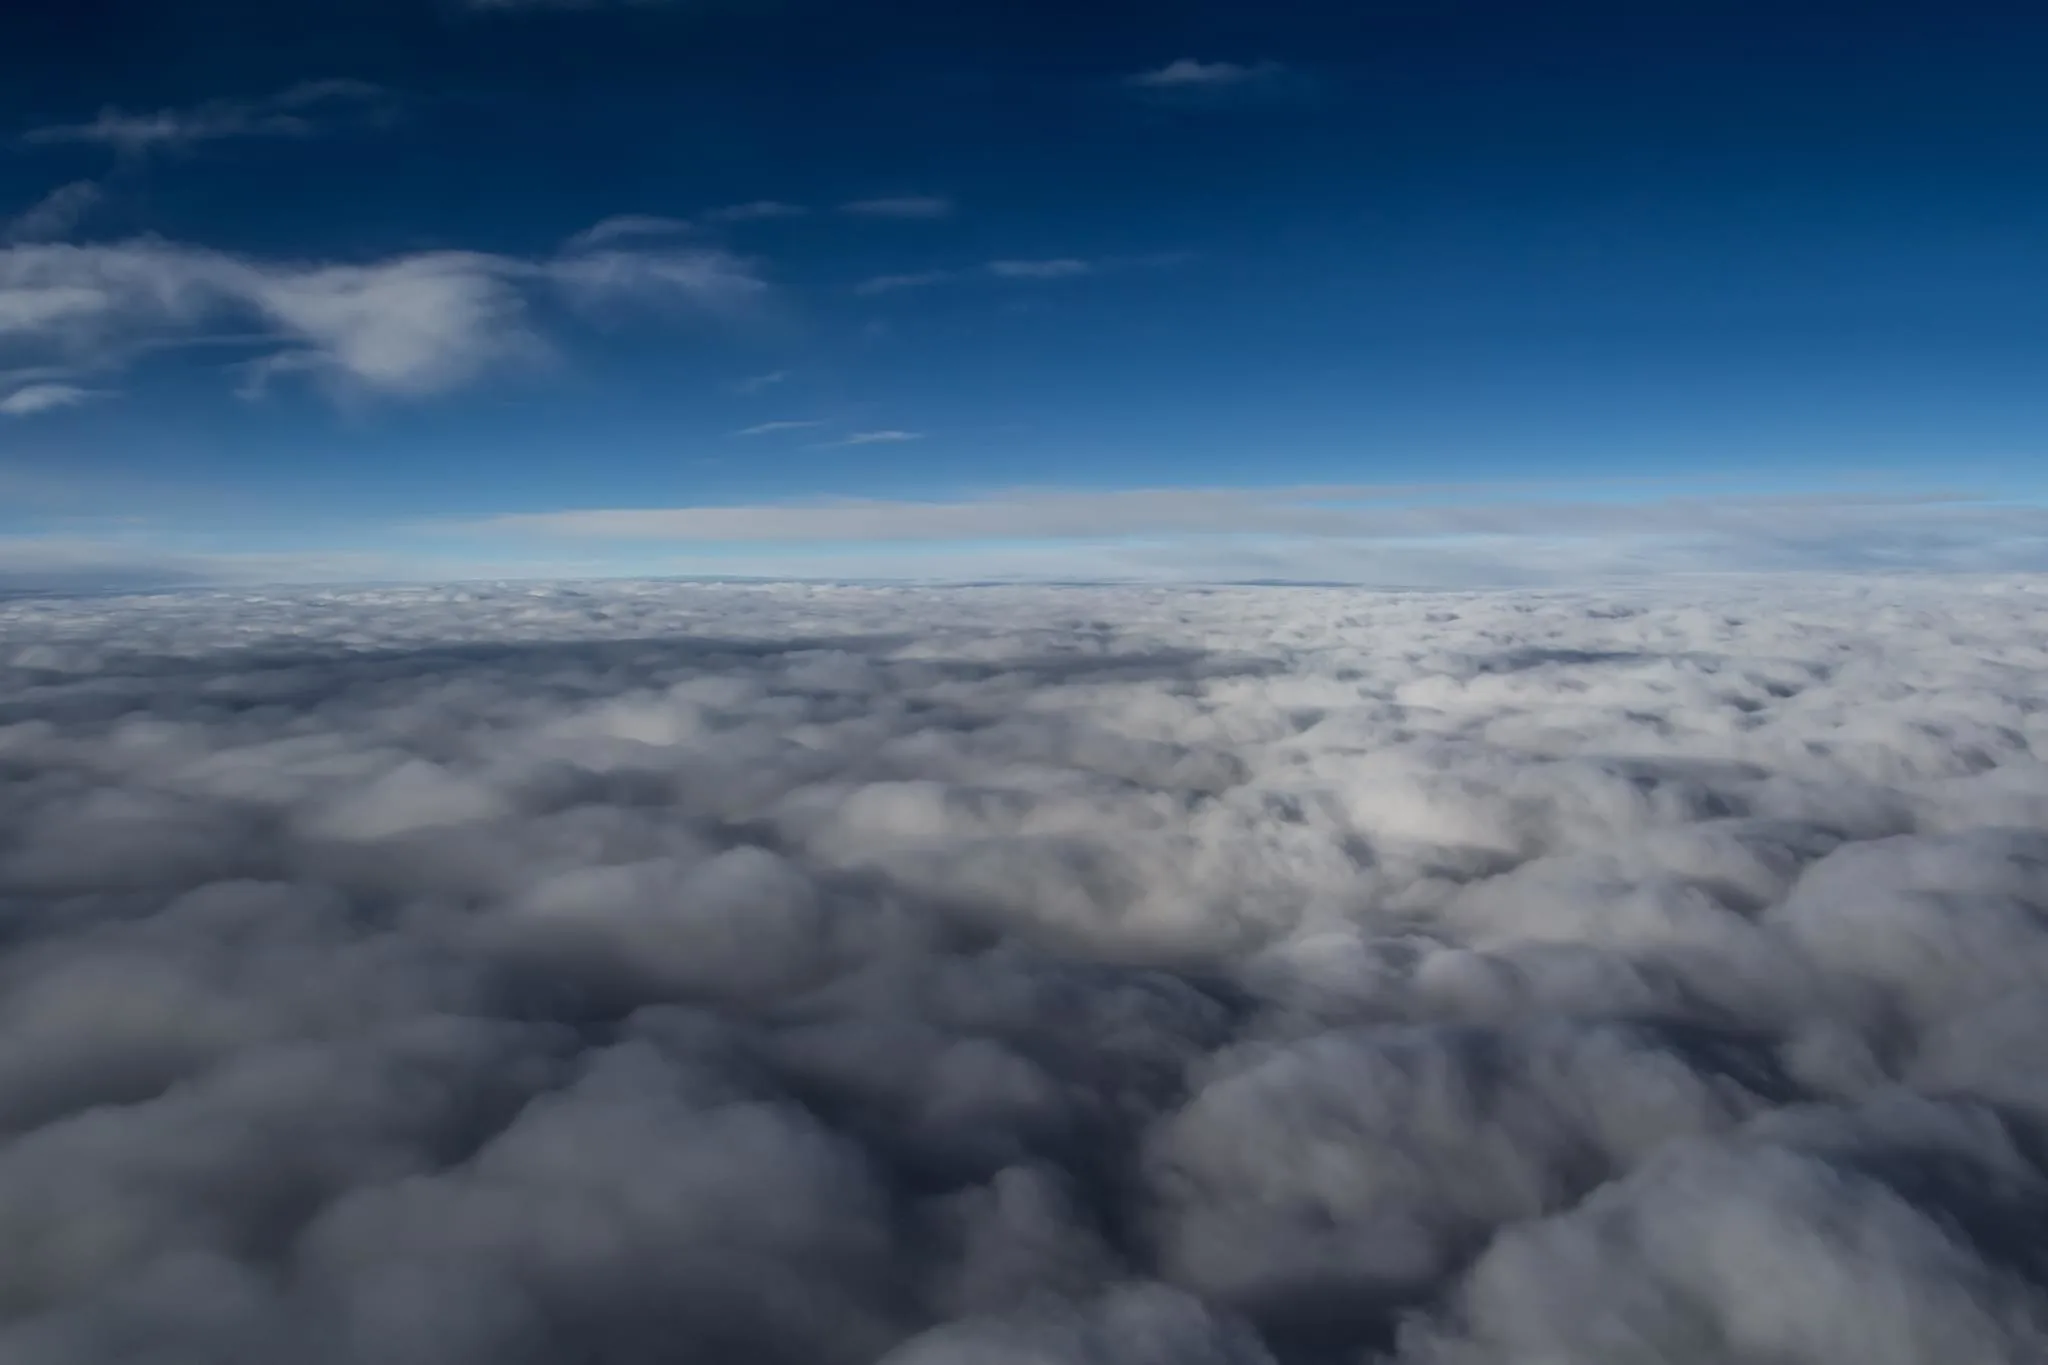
(631,973)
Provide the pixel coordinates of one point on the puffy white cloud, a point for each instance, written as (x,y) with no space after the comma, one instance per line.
(620,972)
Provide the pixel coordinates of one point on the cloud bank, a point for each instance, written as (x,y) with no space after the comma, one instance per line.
(644,972)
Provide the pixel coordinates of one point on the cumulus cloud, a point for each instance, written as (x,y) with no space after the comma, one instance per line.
(302,110)
(622,973)
(408,325)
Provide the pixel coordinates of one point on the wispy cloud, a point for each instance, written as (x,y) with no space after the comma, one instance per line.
(1190,81)
(771,428)
(755,385)
(32,399)
(1063,268)
(902,206)
(891,284)
(503,6)
(1054,268)
(410,325)
(56,215)
(874,438)
(624,226)
(760,210)
(300,111)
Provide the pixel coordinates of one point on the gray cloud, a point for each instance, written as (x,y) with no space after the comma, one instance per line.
(623,973)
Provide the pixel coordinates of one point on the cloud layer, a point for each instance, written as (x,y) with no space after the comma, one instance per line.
(632,973)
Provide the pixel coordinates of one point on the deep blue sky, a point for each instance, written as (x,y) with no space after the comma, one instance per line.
(1578,251)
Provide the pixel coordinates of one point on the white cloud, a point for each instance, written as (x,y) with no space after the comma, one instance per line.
(1064,268)
(706,279)
(760,210)
(1188,74)
(892,284)
(755,385)
(625,226)
(878,438)
(410,325)
(31,399)
(300,111)
(1014,270)
(56,215)
(577,972)
(1192,84)
(901,206)
(771,428)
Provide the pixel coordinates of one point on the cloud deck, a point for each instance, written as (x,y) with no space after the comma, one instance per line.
(656,973)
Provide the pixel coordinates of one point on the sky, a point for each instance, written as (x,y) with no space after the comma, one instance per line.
(1425,292)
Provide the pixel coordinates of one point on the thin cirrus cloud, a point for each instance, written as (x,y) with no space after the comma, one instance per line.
(1189,81)
(773,428)
(626,226)
(56,215)
(1064,268)
(1056,268)
(753,386)
(32,399)
(406,326)
(907,206)
(300,111)
(755,211)
(877,438)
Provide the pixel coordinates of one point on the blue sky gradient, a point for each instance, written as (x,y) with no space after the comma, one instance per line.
(379,288)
